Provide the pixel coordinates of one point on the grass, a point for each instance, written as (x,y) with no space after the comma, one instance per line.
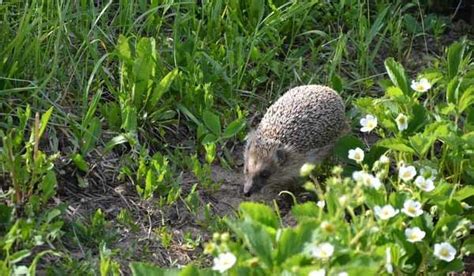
(153,97)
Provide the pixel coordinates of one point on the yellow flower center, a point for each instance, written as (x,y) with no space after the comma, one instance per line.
(411,209)
(406,174)
(444,252)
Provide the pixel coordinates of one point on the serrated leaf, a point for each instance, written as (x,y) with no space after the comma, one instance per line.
(395,144)
(259,213)
(397,74)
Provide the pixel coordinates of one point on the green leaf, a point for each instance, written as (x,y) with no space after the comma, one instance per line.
(452,91)
(5,215)
(48,186)
(161,89)
(117,140)
(292,241)
(44,121)
(19,255)
(259,213)
(455,57)
(467,99)
(80,163)
(421,143)
(344,144)
(396,72)
(144,269)
(123,49)
(453,207)
(463,193)
(259,240)
(305,210)
(419,118)
(91,135)
(397,144)
(234,127)
(212,122)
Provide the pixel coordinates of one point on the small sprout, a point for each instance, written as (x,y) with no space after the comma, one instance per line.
(421,86)
(368,123)
(306,169)
(386,212)
(406,173)
(424,184)
(322,251)
(414,234)
(319,272)
(224,262)
(356,154)
(412,208)
(444,251)
(402,122)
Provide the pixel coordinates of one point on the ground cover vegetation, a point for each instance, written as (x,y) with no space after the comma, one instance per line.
(122,125)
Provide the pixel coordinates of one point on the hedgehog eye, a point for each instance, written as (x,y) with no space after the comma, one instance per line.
(265,173)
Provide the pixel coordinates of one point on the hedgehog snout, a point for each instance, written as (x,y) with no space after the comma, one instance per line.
(251,185)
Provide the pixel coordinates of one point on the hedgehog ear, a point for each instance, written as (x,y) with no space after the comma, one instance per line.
(281,155)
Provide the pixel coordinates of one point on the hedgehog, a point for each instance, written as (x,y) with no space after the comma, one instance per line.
(300,127)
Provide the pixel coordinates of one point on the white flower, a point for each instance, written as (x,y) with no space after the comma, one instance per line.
(406,173)
(373,181)
(224,262)
(321,204)
(424,184)
(388,260)
(356,154)
(444,251)
(384,159)
(422,85)
(414,234)
(343,274)
(358,176)
(386,212)
(412,208)
(322,251)
(402,122)
(319,272)
(368,123)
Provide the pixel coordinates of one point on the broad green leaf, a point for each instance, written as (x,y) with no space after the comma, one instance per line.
(396,72)
(259,213)
(453,207)
(234,127)
(421,143)
(144,269)
(305,210)
(19,255)
(292,241)
(259,239)
(455,57)
(212,122)
(344,144)
(117,140)
(161,89)
(129,117)
(91,135)
(397,144)
(463,193)
(418,119)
